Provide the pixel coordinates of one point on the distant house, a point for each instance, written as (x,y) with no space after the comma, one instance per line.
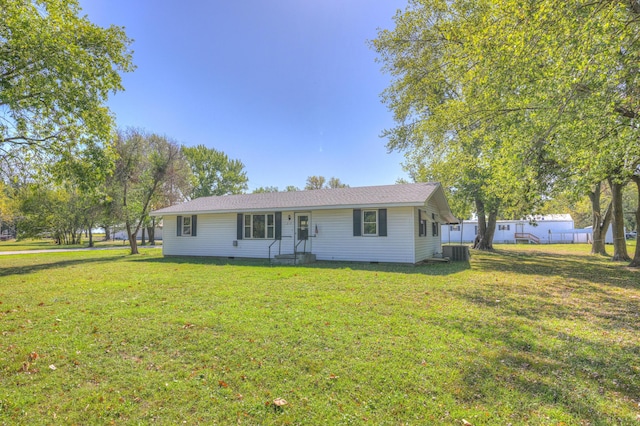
(553,228)
(121,234)
(391,223)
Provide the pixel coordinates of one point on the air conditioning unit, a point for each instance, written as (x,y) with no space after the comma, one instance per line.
(456,253)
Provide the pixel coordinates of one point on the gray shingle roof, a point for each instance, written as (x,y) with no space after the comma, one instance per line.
(412,194)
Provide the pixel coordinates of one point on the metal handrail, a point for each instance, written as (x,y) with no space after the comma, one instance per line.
(295,250)
(531,237)
(279,247)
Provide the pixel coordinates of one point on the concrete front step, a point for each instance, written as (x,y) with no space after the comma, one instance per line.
(291,259)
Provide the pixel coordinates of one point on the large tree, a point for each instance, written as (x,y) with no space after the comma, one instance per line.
(57,70)
(515,97)
(315,182)
(145,177)
(214,172)
(320,182)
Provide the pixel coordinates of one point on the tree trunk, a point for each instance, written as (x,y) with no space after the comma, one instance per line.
(90,237)
(636,257)
(151,230)
(107,233)
(133,243)
(617,222)
(143,232)
(599,224)
(486,231)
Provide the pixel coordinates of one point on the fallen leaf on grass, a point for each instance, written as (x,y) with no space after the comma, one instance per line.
(466,423)
(223,384)
(33,356)
(333,377)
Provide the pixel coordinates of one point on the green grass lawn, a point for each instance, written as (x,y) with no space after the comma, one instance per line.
(49,244)
(526,335)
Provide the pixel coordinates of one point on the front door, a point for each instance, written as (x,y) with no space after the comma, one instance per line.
(303,225)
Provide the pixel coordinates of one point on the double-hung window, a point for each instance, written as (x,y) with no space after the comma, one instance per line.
(259,226)
(369,222)
(422,223)
(186,225)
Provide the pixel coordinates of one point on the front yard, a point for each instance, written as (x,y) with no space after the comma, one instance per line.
(525,335)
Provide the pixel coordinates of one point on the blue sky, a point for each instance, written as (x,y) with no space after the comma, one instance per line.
(289,87)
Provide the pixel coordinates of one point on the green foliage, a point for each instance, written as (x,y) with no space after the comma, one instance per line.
(8,203)
(57,70)
(525,335)
(263,189)
(150,173)
(214,172)
(507,102)
(315,182)
(578,207)
(54,211)
(320,182)
(334,183)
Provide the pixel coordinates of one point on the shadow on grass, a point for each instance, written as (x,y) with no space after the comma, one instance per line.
(581,267)
(37,267)
(554,368)
(424,269)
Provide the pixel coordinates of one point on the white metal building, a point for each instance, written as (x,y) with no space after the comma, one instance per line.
(554,228)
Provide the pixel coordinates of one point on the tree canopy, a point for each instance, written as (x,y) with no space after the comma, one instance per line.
(506,101)
(150,172)
(214,173)
(320,182)
(57,70)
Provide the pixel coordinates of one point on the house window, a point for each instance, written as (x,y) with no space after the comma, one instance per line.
(422,223)
(504,227)
(186,226)
(259,226)
(434,228)
(454,227)
(369,222)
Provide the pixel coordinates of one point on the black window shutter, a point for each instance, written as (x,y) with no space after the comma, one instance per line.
(357,222)
(382,222)
(194,225)
(179,226)
(239,233)
(278,219)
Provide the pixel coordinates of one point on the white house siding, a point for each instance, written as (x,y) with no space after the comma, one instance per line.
(427,246)
(335,240)
(215,236)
